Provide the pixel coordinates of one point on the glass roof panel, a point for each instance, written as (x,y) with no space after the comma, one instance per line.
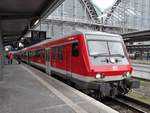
(102,5)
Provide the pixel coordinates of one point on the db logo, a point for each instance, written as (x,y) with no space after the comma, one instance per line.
(114,68)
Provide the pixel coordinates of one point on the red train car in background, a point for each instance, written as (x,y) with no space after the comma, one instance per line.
(93,61)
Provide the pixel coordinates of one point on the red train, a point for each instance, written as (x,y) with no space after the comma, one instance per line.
(93,61)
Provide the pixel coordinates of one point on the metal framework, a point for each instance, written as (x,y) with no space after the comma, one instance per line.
(137,36)
(79,15)
(16,18)
(139,47)
(130,14)
(109,14)
(91,10)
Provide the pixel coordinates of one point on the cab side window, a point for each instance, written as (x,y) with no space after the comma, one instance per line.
(75,49)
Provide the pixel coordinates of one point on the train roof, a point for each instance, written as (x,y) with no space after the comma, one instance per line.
(94,33)
(84,32)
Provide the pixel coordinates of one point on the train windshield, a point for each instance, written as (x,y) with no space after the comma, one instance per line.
(105,48)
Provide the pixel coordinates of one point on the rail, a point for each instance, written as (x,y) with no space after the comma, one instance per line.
(133,104)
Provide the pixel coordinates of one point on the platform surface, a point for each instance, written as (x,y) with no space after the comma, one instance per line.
(141,71)
(28,90)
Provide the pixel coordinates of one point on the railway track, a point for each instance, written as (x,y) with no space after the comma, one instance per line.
(126,104)
(122,104)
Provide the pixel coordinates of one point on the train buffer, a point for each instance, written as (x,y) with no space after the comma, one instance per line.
(28,90)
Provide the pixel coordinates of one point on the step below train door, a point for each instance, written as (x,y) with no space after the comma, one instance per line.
(47,61)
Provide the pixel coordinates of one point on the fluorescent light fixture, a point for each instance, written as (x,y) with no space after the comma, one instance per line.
(20,44)
(36,22)
(6,49)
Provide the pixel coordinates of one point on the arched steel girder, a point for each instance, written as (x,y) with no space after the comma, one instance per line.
(109,14)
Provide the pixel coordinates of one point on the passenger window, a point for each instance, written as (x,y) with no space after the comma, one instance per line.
(42,53)
(54,53)
(30,54)
(60,53)
(38,53)
(75,49)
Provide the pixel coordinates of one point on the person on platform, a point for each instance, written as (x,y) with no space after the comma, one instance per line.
(10,58)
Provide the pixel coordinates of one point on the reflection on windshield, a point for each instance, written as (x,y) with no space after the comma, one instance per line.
(105,48)
(98,48)
(116,48)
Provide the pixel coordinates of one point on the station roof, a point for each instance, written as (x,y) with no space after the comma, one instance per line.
(137,36)
(139,47)
(17,16)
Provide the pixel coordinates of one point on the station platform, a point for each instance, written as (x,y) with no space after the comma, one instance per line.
(28,90)
(141,71)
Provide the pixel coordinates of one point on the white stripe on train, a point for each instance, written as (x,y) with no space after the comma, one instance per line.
(79,77)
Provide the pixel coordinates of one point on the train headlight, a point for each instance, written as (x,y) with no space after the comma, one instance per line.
(98,76)
(128,73)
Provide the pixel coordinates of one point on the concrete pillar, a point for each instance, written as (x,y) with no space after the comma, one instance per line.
(147,54)
(1,55)
(141,55)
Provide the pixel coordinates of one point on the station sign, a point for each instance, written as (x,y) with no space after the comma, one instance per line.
(37,36)
(34,37)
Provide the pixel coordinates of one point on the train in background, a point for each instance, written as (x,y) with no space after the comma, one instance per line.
(93,61)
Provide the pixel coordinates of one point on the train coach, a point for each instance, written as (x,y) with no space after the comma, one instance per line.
(94,61)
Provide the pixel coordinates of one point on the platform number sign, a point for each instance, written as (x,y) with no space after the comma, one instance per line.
(42,35)
(37,36)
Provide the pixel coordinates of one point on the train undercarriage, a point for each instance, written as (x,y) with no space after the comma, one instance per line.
(111,89)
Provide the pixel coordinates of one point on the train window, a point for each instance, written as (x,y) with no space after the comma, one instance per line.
(60,53)
(32,53)
(37,53)
(42,53)
(29,53)
(116,48)
(75,49)
(54,53)
(98,48)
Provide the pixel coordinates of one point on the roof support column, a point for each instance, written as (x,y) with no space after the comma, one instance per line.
(1,55)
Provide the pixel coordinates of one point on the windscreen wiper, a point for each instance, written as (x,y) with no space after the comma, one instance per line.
(119,55)
(99,55)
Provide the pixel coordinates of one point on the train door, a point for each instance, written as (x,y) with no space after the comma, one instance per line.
(28,57)
(76,61)
(68,61)
(47,60)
